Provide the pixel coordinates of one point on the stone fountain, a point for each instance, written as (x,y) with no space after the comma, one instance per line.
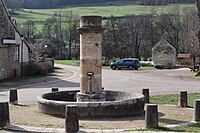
(91,99)
(90,60)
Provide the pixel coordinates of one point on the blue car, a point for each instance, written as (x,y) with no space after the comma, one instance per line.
(127,63)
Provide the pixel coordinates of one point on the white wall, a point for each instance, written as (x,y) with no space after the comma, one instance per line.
(22,49)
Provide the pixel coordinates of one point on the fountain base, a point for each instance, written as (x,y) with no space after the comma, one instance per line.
(90,97)
(116,104)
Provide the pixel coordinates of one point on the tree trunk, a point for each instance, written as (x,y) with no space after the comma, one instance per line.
(194,62)
(198,9)
(198,73)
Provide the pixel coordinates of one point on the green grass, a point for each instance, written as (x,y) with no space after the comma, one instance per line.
(193,74)
(165,99)
(147,68)
(193,128)
(173,99)
(24,16)
(196,77)
(102,9)
(68,62)
(154,129)
(106,67)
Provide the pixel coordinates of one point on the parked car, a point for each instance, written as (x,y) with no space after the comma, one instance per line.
(130,63)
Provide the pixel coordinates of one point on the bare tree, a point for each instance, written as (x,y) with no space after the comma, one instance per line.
(59,34)
(136,30)
(174,27)
(190,34)
(71,35)
(28,28)
(52,38)
(110,38)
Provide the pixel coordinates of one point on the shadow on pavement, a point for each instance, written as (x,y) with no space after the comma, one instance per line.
(15,128)
(56,82)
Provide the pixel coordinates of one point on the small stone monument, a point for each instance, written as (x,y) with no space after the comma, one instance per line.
(164,54)
(71,119)
(183,99)
(151,116)
(196,113)
(4,114)
(13,96)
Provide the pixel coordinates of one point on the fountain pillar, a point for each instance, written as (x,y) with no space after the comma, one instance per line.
(90,59)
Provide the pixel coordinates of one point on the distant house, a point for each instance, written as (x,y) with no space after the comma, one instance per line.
(184,59)
(164,54)
(14,50)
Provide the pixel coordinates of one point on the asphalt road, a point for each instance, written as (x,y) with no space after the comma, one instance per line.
(158,81)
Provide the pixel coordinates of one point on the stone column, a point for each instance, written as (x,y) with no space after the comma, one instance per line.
(90,59)
(71,119)
(196,114)
(4,114)
(54,89)
(183,99)
(151,116)
(145,92)
(13,96)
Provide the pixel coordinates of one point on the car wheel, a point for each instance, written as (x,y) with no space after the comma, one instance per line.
(136,68)
(131,67)
(114,67)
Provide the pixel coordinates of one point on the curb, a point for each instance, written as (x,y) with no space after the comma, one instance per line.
(28,129)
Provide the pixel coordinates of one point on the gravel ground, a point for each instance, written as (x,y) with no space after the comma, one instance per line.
(30,116)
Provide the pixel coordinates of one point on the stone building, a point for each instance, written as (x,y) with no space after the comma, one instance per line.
(13,48)
(164,54)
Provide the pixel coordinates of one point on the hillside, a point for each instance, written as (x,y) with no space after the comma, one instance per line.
(105,9)
(46,4)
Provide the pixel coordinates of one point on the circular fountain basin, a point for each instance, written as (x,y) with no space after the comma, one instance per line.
(117,104)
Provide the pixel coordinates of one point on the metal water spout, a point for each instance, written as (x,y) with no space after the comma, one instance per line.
(90,76)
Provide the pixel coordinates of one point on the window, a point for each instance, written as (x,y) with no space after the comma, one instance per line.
(165,53)
(129,60)
(17,53)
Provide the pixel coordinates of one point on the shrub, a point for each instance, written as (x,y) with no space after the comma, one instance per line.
(159,66)
(37,68)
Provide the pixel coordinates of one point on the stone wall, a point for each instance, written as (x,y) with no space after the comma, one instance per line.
(7,52)
(7,63)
